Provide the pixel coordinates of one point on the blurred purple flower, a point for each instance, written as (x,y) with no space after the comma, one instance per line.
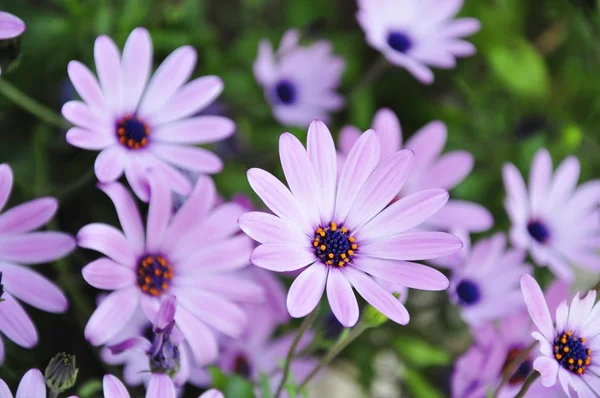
(481,368)
(341,232)
(486,286)
(139,124)
(162,387)
(193,255)
(20,244)
(417,34)
(571,349)
(558,223)
(299,82)
(431,170)
(10,26)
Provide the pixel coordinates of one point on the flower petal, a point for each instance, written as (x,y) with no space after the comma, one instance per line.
(459,214)
(4,390)
(85,139)
(110,163)
(412,246)
(107,275)
(16,324)
(189,158)
(539,179)
(6,182)
(321,151)
(32,385)
(428,143)
(82,115)
(267,228)
(108,66)
(113,388)
(108,241)
(212,393)
(136,67)
(35,247)
(403,273)
(28,216)
(449,170)
(536,306)
(341,298)
(195,130)
(548,368)
(112,315)
(280,257)
(306,290)
(10,26)
(86,85)
(348,137)
(387,126)
(135,173)
(227,255)
(563,184)
(200,338)
(159,212)
(161,386)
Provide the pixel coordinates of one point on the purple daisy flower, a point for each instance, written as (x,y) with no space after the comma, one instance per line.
(431,169)
(571,348)
(417,34)
(299,82)
(21,244)
(113,388)
(139,124)
(342,231)
(486,286)
(554,220)
(170,258)
(495,347)
(10,26)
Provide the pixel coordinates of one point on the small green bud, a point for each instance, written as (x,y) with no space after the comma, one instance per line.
(61,372)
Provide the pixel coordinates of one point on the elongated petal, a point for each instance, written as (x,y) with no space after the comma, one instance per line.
(539,178)
(428,143)
(28,216)
(6,182)
(108,65)
(459,214)
(10,26)
(195,130)
(403,273)
(189,158)
(200,338)
(214,311)
(306,290)
(136,67)
(280,257)
(161,386)
(32,385)
(212,393)
(110,163)
(222,222)
(113,388)
(108,241)
(108,275)
(341,298)
(387,126)
(348,137)
(321,151)
(135,173)
(111,315)
(536,305)
(86,117)
(224,256)
(16,324)
(548,368)
(4,390)
(159,212)
(450,170)
(85,139)
(35,247)
(563,183)
(412,246)
(86,84)
(267,228)
(228,286)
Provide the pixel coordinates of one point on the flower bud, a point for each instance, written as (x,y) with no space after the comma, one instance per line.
(61,372)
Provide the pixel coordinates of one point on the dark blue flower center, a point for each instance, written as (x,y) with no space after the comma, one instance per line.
(468,292)
(132,132)
(538,231)
(399,41)
(571,352)
(241,366)
(154,275)
(524,368)
(334,245)
(286,92)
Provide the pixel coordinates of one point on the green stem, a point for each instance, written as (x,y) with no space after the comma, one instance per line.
(372,74)
(512,367)
(290,356)
(32,106)
(335,351)
(76,185)
(528,382)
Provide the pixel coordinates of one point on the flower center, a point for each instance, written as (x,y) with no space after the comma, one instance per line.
(286,92)
(571,353)
(538,231)
(241,366)
(522,371)
(132,132)
(468,292)
(399,41)
(334,246)
(154,275)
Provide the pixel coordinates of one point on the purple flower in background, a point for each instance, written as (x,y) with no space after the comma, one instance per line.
(486,286)
(571,349)
(557,222)
(417,34)
(10,26)
(299,82)
(32,385)
(343,231)
(139,124)
(21,244)
(431,169)
(113,388)
(494,349)
(191,255)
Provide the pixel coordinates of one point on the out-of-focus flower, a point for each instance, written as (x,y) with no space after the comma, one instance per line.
(431,169)
(495,348)
(31,385)
(299,82)
(10,26)
(486,286)
(557,222)
(171,259)
(20,244)
(61,372)
(417,34)
(139,124)
(161,388)
(343,231)
(571,349)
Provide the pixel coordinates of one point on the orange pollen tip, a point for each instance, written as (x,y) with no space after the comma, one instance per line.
(333,226)
(330,255)
(354,246)
(352,239)
(323,247)
(344,230)
(566,349)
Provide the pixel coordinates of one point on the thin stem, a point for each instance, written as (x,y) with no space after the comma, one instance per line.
(372,74)
(40,111)
(335,351)
(290,356)
(512,367)
(75,185)
(528,382)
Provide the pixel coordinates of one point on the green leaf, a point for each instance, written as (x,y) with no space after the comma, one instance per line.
(238,387)
(218,378)
(420,353)
(419,386)
(362,107)
(265,386)
(91,388)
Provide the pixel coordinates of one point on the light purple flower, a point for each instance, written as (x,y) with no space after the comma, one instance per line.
(571,349)
(160,387)
(192,255)
(417,34)
(21,244)
(557,222)
(486,286)
(343,231)
(431,169)
(10,26)
(299,82)
(139,124)
(32,385)
(495,347)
